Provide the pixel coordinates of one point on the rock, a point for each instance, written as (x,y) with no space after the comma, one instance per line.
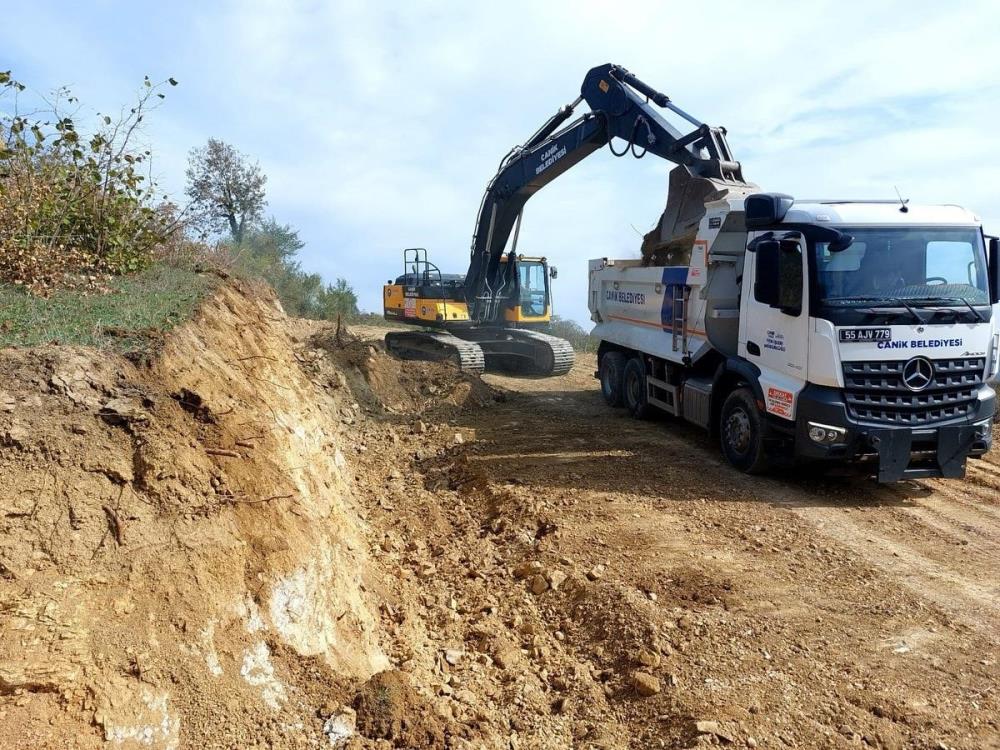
(420,428)
(751,742)
(340,726)
(118,410)
(506,656)
(645,684)
(595,572)
(560,706)
(459,439)
(646,658)
(713,728)
(539,585)
(453,656)
(528,569)
(17,434)
(556,579)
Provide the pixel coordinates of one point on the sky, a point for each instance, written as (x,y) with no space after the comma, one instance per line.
(379,124)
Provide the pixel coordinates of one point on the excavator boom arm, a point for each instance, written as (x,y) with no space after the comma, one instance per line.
(621,106)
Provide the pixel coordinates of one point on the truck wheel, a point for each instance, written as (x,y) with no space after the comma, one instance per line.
(741,431)
(612,371)
(635,388)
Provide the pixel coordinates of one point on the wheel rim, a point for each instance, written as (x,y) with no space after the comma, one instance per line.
(606,381)
(633,390)
(738,430)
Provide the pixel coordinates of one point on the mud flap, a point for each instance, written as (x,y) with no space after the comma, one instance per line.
(954,444)
(894,448)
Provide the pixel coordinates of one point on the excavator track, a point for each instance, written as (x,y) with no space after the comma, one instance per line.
(517,351)
(554,355)
(436,346)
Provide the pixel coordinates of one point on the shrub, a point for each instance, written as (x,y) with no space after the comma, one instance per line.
(74,206)
(574,333)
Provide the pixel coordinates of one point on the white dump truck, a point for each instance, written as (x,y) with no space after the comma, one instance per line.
(810,330)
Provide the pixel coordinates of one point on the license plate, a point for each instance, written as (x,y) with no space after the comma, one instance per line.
(852,335)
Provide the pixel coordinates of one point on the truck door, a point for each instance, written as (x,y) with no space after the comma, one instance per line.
(774,318)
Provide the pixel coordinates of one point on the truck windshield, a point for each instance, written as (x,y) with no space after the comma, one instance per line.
(932,266)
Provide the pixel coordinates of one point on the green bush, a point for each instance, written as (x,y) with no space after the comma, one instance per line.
(268,251)
(574,333)
(74,206)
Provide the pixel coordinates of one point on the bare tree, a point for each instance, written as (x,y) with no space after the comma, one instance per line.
(226,190)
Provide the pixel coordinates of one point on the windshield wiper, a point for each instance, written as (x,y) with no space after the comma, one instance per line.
(963,300)
(893,300)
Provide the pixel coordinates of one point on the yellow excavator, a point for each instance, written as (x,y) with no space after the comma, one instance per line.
(506,341)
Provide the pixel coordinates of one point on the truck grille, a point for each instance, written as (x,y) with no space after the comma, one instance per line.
(875,392)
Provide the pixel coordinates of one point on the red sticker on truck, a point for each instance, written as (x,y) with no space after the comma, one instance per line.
(780,402)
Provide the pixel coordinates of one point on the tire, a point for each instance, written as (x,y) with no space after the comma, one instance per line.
(741,432)
(612,373)
(635,390)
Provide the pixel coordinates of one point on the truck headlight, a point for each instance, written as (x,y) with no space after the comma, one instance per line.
(825,434)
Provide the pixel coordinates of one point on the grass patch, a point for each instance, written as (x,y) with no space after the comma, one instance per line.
(131,319)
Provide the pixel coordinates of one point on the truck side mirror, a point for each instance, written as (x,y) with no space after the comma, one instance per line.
(553,272)
(993,262)
(763,210)
(778,276)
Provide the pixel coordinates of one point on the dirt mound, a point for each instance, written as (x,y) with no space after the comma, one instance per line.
(391,386)
(388,708)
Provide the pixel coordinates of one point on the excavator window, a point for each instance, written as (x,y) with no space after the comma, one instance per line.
(534,290)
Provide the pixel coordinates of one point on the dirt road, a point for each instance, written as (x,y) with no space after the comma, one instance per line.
(794,611)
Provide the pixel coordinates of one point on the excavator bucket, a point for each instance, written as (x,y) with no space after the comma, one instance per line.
(670,242)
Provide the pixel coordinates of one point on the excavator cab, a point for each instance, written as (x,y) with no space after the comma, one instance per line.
(531,302)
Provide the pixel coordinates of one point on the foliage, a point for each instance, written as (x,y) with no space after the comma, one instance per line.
(130,318)
(268,251)
(338,301)
(74,205)
(574,333)
(226,190)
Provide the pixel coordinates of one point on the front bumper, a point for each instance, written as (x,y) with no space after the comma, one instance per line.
(898,451)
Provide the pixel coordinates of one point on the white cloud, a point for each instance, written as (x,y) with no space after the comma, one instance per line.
(379,125)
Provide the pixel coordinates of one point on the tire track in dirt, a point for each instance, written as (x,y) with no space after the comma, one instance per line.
(937,539)
(967,595)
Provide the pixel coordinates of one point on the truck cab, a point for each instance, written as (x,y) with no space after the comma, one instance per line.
(877,347)
(825,331)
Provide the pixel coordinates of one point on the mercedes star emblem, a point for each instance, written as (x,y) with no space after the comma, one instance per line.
(918,373)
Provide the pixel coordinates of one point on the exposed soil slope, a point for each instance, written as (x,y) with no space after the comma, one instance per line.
(182,559)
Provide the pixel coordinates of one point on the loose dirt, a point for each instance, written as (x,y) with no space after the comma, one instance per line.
(276,535)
